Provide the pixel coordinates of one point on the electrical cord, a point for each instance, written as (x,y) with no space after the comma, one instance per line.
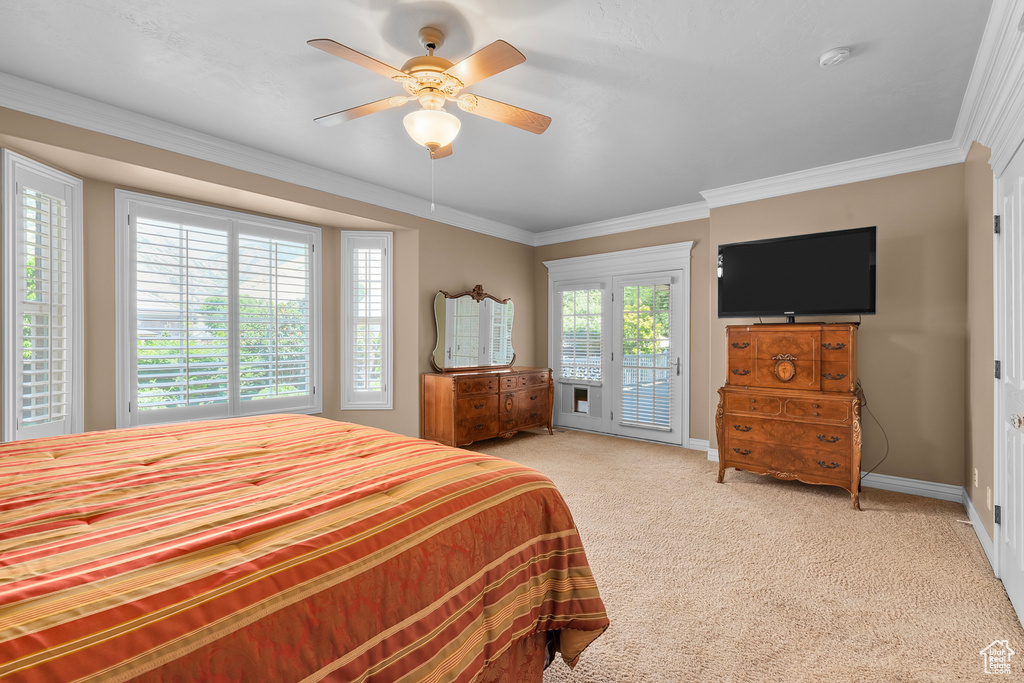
(864,406)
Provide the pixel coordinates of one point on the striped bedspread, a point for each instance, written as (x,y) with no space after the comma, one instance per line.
(278,548)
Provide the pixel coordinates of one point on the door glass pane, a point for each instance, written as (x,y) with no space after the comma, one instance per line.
(646,355)
(581,335)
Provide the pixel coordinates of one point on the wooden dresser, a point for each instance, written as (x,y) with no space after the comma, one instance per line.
(791,404)
(464,406)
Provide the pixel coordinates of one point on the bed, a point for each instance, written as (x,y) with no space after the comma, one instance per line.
(283,548)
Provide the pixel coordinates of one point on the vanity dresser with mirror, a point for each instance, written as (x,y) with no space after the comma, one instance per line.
(476,392)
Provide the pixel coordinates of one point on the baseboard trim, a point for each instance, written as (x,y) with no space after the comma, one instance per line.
(979,528)
(699,444)
(915,487)
(713,454)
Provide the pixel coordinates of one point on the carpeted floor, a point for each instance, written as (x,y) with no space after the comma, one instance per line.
(762,580)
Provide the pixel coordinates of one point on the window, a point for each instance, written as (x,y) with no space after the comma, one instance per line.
(366,297)
(42,300)
(220,313)
(581,334)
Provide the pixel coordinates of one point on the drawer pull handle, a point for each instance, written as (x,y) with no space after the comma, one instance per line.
(830,466)
(480,426)
(742,451)
(744,428)
(478,406)
(741,372)
(827,439)
(740,345)
(834,347)
(534,397)
(829,375)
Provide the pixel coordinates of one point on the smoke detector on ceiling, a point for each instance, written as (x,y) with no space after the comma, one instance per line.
(834,57)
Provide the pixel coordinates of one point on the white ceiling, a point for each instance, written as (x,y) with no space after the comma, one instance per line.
(652,101)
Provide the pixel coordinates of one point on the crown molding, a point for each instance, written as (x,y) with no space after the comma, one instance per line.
(50,103)
(991,112)
(920,158)
(637,221)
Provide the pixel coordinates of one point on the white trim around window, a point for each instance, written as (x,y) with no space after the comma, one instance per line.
(366,334)
(232,304)
(43,321)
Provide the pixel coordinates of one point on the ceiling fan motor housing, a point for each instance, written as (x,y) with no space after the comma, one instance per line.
(431,38)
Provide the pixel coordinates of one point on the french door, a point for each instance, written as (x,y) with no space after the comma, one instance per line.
(646,357)
(1010,385)
(619,342)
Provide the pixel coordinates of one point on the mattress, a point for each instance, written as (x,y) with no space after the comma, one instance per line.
(279,548)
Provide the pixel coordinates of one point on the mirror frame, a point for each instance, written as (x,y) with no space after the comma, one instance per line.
(477,294)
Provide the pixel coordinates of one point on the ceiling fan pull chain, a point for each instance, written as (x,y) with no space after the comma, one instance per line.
(431,184)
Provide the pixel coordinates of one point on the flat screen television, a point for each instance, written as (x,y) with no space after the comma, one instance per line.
(825,273)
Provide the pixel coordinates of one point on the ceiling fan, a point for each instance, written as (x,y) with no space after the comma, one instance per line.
(432,81)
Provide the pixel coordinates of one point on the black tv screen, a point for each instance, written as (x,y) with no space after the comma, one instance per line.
(825,273)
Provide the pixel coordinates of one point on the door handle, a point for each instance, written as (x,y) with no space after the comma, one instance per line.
(1016,421)
(677,366)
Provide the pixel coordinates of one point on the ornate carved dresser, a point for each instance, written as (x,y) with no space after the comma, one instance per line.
(791,404)
(477,393)
(459,408)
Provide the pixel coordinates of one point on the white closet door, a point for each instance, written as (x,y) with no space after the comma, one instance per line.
(1010,408)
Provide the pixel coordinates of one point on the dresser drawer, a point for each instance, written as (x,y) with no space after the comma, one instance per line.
(823,410)
(836,345)
(533,379)
(805,345)
(476,385)
(741,372)
(532,406)
(823,437)
(835,376)
(745,403)
(476,418)
(508,383)
(808,465)
(475,406)
(738,344)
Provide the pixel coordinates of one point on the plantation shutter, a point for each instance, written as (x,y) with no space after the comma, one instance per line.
(366,296)
(182,315)
(223,313)
(42,245)
(275,284)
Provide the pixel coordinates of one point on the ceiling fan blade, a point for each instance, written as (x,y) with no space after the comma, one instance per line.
(485,62)
(441,152)
(505,113)
(362,110)
(339,50)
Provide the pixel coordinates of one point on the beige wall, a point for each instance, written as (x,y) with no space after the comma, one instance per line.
(700,278)
(923,372)
(911,353)
(979,360)
(427,256)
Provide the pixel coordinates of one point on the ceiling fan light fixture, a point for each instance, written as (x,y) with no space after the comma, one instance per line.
(432,128)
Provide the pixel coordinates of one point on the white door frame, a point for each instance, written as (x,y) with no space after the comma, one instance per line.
(604,267)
